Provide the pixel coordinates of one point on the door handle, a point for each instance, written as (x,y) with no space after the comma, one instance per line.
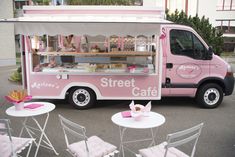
(168,82)
(169,65)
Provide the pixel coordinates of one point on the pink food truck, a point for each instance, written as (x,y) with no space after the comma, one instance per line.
(87,53)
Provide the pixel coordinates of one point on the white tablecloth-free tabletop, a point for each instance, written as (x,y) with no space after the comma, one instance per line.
(47,107)
(151,120)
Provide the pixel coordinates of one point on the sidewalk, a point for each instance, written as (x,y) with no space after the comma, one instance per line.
(9,68)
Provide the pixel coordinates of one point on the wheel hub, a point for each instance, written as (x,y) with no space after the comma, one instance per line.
(211,96)
(81,97)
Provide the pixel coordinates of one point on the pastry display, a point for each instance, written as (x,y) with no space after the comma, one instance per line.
(82,65)
(114,43)
(92,68)
(129,43)
(95,48)
(126,61)
(131,68)
(52,62)
(102,66)
(117,66)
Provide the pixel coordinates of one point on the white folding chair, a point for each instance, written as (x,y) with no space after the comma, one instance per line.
(86,147)
(11,146)
(167,149)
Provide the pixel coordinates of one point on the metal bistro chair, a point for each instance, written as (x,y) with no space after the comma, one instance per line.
(11,146)
(167,149)
(86,147)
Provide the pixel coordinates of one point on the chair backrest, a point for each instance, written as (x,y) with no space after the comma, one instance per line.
(183,137)
(6,130)
(73,129)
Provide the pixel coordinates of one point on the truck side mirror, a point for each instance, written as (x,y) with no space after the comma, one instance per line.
(209,53)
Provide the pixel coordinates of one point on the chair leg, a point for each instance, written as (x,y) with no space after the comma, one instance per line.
(29,149)
(116,153)
(113,154)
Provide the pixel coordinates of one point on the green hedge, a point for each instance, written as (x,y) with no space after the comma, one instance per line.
(100,2)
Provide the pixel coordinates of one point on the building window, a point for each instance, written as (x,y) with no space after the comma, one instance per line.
(180,5)
(19,4)
(226,5)
(226,26)
(233,5)
(82,2)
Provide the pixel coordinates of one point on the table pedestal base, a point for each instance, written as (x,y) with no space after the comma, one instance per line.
(122,142)
(31,131)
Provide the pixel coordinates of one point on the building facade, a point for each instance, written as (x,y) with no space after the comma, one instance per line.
(7,44)
(221,14)
(225,20)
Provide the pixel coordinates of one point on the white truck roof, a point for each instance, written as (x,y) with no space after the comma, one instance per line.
(88,20)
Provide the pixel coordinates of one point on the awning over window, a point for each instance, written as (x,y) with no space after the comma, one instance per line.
(89,25)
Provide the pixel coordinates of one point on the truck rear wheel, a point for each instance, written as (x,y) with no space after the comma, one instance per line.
(210,95)
(82,98)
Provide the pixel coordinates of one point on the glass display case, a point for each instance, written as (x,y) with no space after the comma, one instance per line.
(103,55)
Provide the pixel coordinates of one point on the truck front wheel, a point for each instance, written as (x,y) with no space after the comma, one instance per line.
(82,98)
(210,95)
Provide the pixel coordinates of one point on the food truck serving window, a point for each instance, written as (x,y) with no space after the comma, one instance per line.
(93,54)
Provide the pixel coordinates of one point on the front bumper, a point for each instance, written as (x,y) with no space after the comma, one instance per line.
(229,85)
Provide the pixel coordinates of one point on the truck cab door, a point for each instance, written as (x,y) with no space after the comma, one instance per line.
(186,63)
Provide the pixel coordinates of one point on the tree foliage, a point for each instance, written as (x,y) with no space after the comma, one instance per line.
(16,76)
(211,35)
(101,2)
(41,2)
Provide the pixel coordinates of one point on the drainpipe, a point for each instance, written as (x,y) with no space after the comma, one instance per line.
(166,5)
(186,7)
(197,7)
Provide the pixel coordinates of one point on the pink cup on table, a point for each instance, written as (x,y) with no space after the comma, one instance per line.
(137,112)
(137,116)
(19,106)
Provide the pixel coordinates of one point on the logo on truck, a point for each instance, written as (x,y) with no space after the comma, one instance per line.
(127,84)
(188,71)
(45,85)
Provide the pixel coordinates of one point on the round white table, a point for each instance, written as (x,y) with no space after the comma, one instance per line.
(46,108)
(27,113)
(150,121)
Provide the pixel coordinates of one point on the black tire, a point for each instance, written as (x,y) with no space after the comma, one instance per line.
(210,95)
(82,97)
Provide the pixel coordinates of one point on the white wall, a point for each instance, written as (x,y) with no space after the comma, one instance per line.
(192,7)
(7,38)
(203,8)
(149,3)
(154,3)
(208,8)
(172,5)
